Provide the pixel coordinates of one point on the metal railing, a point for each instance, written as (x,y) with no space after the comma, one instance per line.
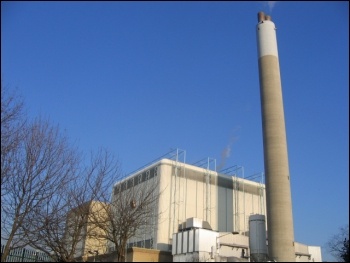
(26,255)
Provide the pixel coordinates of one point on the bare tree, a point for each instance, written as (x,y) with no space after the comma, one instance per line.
(47,229)
(63,226)
(130,212)
(338,245)
(42,164)
(12,132)
(47,194)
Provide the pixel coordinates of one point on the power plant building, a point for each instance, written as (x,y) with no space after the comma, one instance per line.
(223,201)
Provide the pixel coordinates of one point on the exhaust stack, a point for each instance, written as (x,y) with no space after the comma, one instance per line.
(278,192)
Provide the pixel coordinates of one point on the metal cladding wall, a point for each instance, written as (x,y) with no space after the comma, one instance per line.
(186,193)
(278,193)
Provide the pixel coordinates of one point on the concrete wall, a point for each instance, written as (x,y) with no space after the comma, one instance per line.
(134,254)
(302,252)
(149,255)
(316,255)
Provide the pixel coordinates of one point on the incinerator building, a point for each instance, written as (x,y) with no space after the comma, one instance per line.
(223,200)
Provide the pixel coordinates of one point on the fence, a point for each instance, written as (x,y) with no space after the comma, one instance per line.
(26,255)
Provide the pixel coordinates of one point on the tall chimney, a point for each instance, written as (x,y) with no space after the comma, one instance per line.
(278,193)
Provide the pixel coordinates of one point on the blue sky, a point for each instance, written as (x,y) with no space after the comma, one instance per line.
(142,78)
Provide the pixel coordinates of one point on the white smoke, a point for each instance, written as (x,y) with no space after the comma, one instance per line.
(226,152)
(271,5)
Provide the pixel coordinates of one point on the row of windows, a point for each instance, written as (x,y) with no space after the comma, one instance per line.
(135,180)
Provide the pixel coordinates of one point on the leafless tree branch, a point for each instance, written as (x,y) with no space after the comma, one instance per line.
(130,212)
(337,244)
(42,165)
(12,132)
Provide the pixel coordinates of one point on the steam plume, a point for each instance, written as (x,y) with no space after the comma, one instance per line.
(226,152)
(271,5)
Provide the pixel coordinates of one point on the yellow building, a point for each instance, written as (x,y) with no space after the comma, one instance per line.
(82,231)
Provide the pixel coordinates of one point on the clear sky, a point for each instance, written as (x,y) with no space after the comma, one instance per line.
(142,78)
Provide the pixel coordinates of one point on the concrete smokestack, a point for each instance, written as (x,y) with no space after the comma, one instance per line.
(278,193)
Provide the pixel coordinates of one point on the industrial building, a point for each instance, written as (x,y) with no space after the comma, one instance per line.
(222,200)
